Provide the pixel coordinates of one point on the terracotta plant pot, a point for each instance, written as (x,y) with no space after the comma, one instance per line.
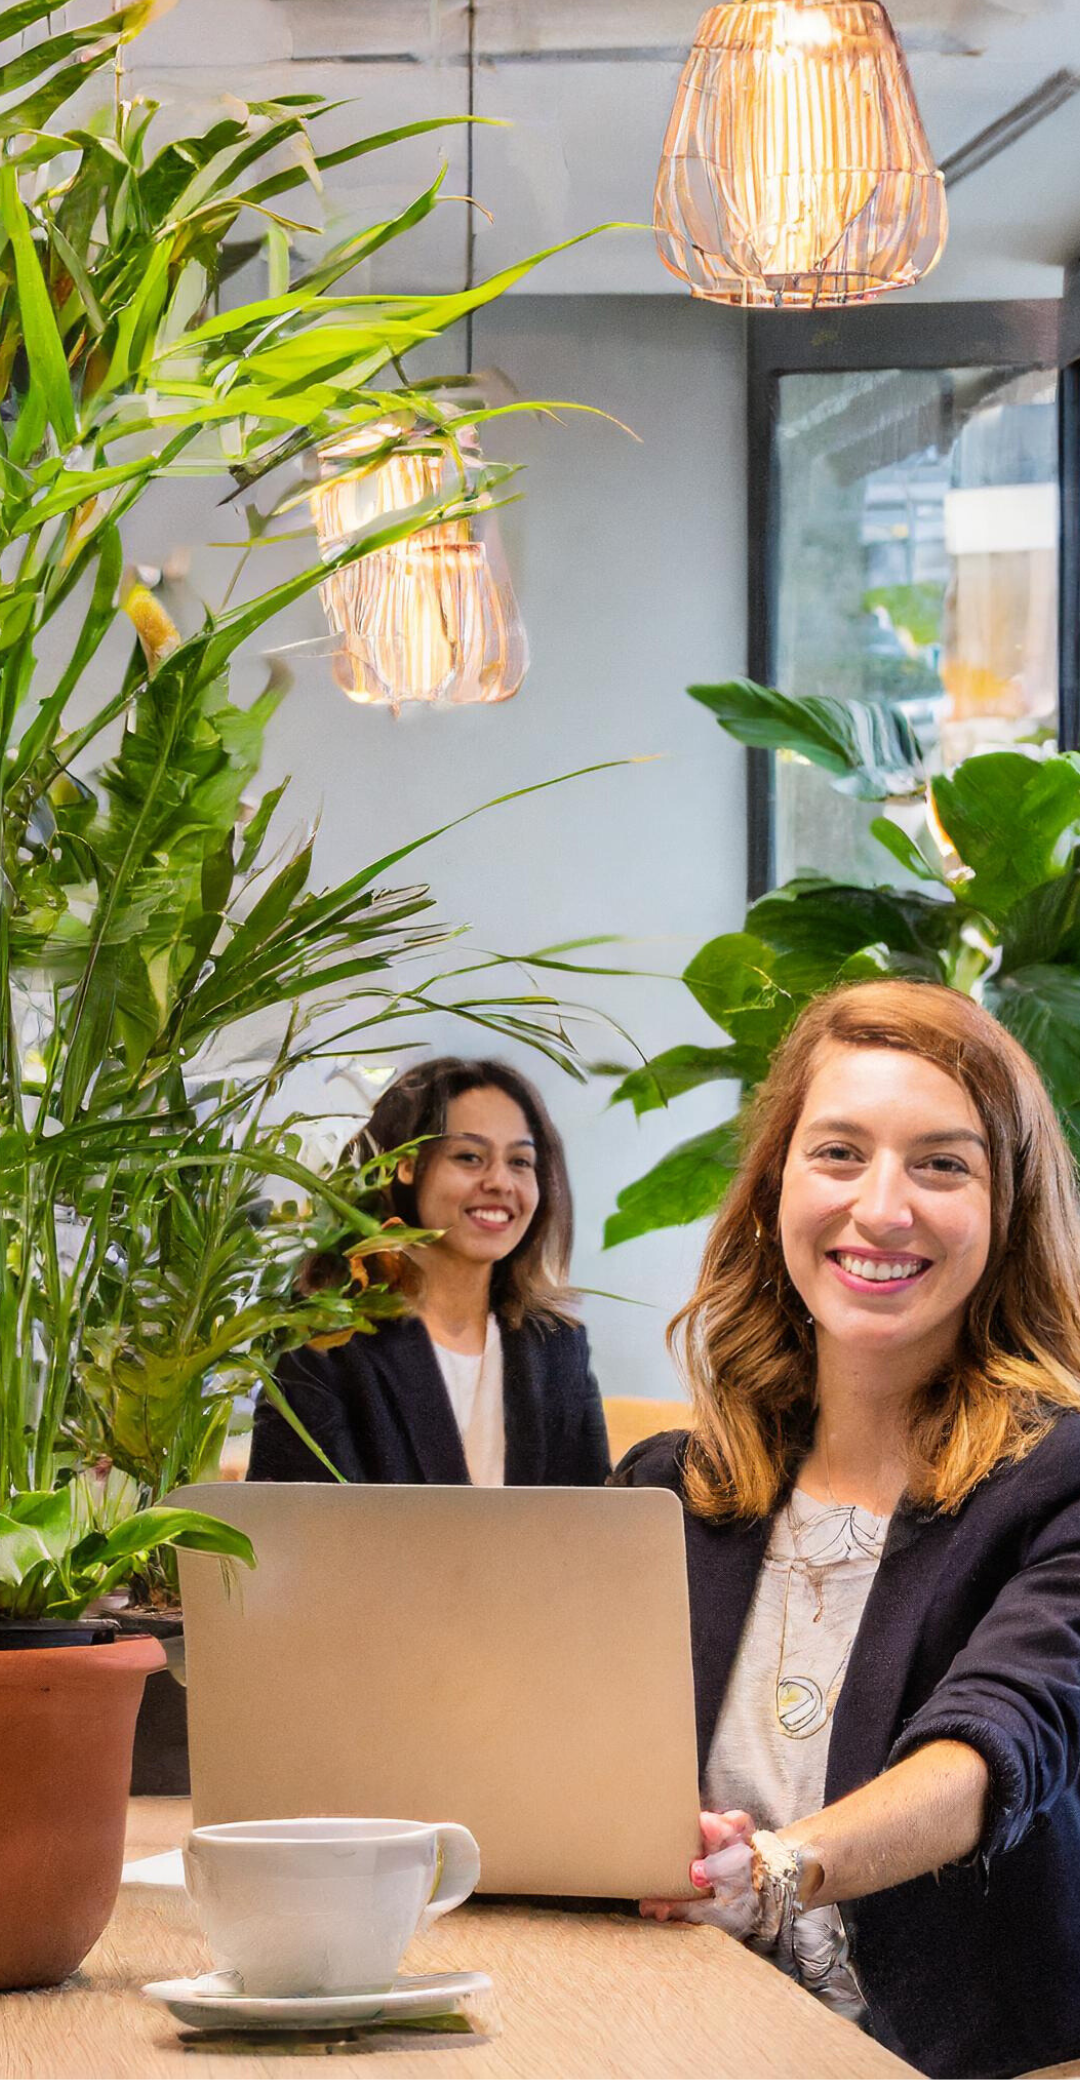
(67,1721)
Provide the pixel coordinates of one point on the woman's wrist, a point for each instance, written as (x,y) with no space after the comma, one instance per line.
(787,1876)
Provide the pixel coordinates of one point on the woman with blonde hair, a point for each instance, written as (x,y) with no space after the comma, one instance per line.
(882,1495)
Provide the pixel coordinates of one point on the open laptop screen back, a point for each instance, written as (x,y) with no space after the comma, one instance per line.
(517,1659)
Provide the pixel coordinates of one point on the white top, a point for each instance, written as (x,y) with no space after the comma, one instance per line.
(474,1382)
(771,1745)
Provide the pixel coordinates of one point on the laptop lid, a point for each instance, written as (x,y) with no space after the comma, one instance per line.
(517,1659)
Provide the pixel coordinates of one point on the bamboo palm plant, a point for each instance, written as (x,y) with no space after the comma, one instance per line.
(141,932)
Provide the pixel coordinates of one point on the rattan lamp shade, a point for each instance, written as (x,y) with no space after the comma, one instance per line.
(432,618)
(795,169)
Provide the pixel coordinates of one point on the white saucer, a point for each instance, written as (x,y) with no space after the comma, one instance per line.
(216,2002)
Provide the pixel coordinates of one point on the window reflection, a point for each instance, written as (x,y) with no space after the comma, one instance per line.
(918,567)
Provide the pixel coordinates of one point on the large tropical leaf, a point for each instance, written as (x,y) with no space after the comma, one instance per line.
(870,747)
(1014,821)
(815,926)
(685,1186)
(678,1070)
(733,980)
(1044,926)
(1040,1006)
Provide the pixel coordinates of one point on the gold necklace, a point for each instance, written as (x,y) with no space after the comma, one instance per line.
(802,1706)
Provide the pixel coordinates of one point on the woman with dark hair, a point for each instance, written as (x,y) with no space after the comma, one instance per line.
(487,1378)
(882,1496)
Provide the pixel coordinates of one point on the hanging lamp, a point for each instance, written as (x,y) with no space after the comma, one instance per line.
(795,170)
(431,618)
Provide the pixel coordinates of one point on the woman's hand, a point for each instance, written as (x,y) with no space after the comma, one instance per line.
(724,1874)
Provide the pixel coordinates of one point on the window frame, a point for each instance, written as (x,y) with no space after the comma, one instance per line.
(1042,334)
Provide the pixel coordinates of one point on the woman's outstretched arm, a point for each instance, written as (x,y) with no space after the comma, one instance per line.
(925,1812)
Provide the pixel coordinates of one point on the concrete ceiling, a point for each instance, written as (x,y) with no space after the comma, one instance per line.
(586,86)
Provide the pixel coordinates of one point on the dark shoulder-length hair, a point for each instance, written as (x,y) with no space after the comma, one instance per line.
(530,1284)
(747,1348)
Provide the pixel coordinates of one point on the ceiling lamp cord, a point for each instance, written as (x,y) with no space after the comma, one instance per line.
(470,181)
(796,171)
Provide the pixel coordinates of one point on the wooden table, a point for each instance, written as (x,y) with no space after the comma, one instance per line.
(576,1996)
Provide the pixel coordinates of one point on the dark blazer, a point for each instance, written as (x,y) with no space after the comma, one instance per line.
(971,1633)
(379,1408)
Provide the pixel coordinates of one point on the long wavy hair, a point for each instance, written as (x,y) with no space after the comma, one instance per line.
(531,1282)
(745,1344)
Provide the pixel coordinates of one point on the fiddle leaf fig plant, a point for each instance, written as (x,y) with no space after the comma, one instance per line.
(995,847)
(165,963)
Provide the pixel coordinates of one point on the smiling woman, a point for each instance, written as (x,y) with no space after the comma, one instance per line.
(885,1232)
(486,1379)
(882,1494)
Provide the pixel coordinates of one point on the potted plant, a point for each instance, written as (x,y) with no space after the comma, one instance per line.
(990,904)
(69,1694)
(146,930)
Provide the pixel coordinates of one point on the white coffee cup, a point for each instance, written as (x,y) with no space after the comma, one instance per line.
(323,1906)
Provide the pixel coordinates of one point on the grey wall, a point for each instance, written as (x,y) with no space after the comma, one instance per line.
(629,564)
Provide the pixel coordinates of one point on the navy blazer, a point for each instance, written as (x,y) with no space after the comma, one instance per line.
(379,1408)
(971,1632)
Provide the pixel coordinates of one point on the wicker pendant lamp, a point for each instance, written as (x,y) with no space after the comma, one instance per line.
(795,170)
(432,618)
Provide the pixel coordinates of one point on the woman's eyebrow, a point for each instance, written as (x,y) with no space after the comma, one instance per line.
(952,1134)
(933,1139)
(482,1141)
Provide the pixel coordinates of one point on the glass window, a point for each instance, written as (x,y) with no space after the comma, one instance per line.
(918,567)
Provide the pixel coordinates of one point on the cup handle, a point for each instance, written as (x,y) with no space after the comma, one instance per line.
(457,1873)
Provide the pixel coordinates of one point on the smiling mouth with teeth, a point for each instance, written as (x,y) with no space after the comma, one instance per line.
(880,1270)
(490,1216)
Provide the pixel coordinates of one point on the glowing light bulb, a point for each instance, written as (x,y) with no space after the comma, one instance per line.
(431,618)
(795,170)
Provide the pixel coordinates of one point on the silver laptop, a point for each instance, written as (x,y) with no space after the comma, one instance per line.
(514,1658)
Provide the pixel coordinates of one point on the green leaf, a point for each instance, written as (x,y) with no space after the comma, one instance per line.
(1040,1006)
(732,979)
(351,251)
(255,831)
(685,1186)
(814,927)
(904,849)
(52,50)
(100,615)
(681,1069)
(70,260)
(295,176)
(16,615)
(1014,821)
(1044,926)
(15,20)
(36,110)
(45,354)
(871,747)
(277,260)
(273,906)
(285,1409)
(150,1528)
(21,1549)
(49,1515)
